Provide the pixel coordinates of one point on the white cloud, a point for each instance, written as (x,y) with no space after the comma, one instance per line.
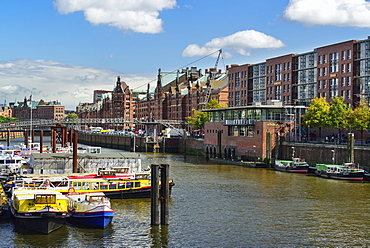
(51,81)
(136,15)
(354,13)
(241,42)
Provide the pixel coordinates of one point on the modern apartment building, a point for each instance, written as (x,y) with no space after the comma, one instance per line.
(341,69)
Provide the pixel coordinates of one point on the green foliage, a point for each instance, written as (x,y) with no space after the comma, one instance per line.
(317,113)
(213,104)
(338,114)
(7,119)
(199,118)
(360,118)
(72,116)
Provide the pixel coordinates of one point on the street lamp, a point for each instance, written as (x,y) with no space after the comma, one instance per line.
(255,154)
(333,157)
(293,151)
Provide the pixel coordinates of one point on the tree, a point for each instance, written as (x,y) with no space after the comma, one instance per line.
(317,114)
(72,116)
(338,114)
(360,119)
(199,118)
(7,119)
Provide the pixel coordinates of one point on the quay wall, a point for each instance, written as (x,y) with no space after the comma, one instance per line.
(316,153)
(13,135)
(313,153)
(130,143)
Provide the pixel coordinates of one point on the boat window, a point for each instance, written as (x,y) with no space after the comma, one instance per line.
(86,186)
(95,185)
(77,185)
(96,199)
(45,199)
(112,185)
(104,185)
(121,185)
(129,185)
(137,184)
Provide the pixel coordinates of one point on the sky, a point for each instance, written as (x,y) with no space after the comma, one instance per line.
(63,50)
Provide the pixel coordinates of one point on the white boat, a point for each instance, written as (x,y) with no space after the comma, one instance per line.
(90,209)
(11,162)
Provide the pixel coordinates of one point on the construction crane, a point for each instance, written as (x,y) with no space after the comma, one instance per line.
(209,81)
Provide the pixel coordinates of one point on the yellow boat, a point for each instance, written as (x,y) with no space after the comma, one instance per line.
(4,206)
(113,187)
(39,210)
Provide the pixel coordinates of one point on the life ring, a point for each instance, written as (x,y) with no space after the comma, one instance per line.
(47,182)
(71,190)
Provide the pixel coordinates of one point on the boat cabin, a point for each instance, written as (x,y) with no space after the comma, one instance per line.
(95,198)
(45,198)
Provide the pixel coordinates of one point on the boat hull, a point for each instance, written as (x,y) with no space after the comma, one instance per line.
(295,169)
(42,223)
(95,219)
(341,176)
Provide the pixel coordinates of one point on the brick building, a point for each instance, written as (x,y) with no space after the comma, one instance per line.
(237,132)
(6,111)
(339,69)
(118,103)
(40,110)
(176,95)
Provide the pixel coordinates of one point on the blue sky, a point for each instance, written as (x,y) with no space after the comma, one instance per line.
(64,49)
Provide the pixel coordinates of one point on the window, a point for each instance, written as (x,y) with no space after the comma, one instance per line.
(343,55)
(45,199)
(348,81)
(349,67)
(349,54)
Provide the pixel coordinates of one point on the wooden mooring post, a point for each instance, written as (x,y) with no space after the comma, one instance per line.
(159,195)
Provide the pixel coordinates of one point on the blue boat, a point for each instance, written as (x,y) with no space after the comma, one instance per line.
(90,209)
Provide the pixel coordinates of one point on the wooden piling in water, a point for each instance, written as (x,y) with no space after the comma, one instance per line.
(75,139)
(26,137)
(8,138)
(41,140)
(164,193)
(54,140)
(159,195)
(154,194)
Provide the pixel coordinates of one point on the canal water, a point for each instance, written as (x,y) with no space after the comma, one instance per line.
(220,205)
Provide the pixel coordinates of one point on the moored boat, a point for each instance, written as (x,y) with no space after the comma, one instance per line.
(4,205)
(90,209)
(296,165)
(347,171)
(39,210)
(116,187)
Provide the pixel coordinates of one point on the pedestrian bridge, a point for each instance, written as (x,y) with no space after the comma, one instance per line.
(88,121)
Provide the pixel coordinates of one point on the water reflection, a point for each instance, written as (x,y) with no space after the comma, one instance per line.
(220,205)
